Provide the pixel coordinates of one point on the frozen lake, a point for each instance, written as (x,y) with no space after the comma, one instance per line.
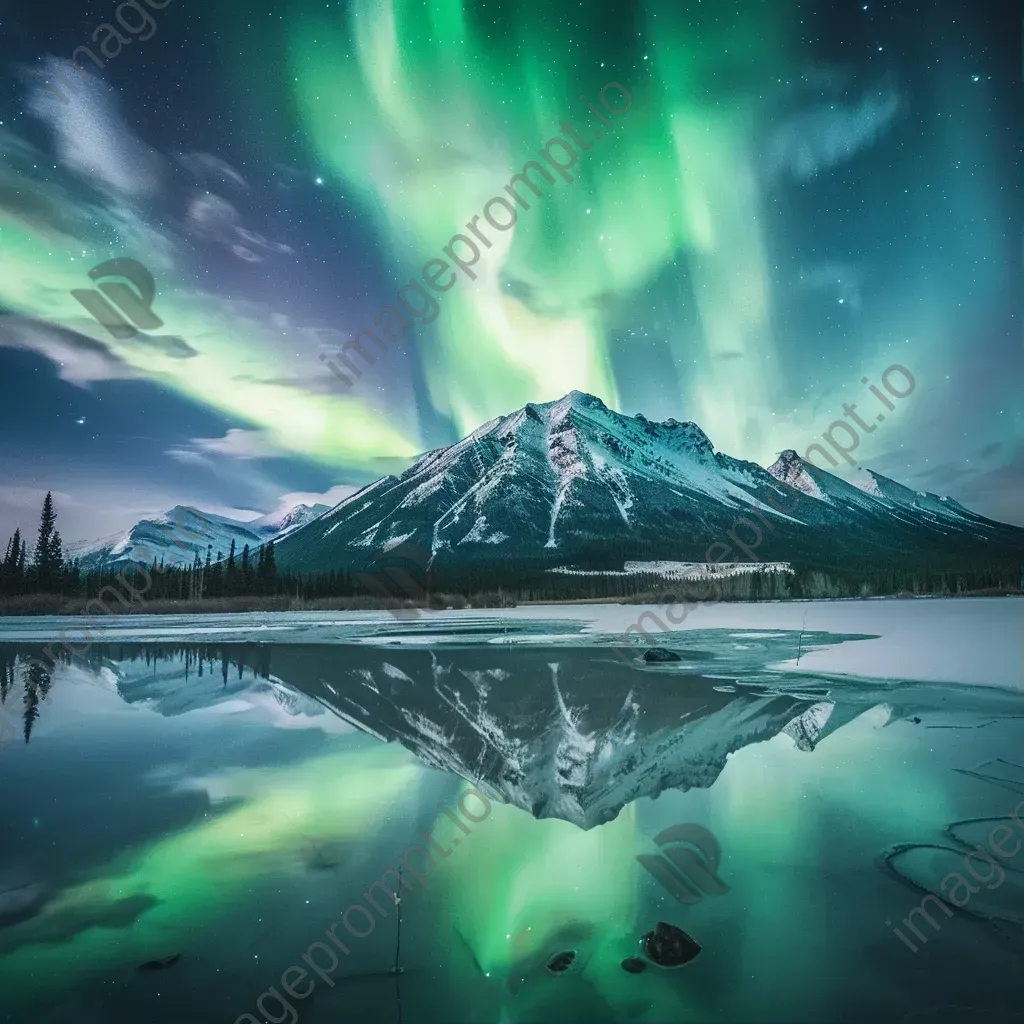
(189,804)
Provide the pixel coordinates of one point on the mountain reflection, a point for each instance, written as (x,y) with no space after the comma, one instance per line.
(565,731)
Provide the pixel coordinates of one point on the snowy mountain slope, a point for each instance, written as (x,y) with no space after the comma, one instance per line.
(553,483)
(942,511)
(892,504)
(275,525)
(175,537)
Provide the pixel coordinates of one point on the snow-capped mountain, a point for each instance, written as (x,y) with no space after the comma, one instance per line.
(175,537)
(282,522)
(555,483)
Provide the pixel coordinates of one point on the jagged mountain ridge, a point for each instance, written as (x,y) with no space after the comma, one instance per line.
(175,537)
(551,483)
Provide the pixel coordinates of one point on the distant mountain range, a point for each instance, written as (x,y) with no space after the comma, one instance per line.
(175,537)
(572,483)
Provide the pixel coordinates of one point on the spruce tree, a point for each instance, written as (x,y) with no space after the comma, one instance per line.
(48,554)
(12,569)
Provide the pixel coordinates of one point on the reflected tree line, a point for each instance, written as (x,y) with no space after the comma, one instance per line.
(32,673)
(28,670)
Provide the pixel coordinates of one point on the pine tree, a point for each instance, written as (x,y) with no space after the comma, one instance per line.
(204,577)
(49,555)
(266,571)
(229,585)
(12,568)
(261,569)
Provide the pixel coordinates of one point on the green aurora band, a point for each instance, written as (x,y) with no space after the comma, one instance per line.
(426,110)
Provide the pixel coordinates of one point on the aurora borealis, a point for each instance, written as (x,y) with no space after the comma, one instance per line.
(234,827)
(800,195)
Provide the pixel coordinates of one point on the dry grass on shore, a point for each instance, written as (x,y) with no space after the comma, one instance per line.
(55,604)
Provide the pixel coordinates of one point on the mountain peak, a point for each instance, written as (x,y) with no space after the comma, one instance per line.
(585,399)
(682,436)
(578,400)
(786,461)
(797,473)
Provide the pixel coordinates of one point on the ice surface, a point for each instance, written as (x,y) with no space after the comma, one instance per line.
(956,640)
(554,710)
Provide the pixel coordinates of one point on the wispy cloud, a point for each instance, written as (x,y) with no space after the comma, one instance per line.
(92,139)
(332,496)
(235,444)
(80,360)
(830,133)
(211,216)
(211,170)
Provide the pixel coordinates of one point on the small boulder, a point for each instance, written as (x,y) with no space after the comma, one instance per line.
(634,965)
(561,962)
(659,654)
(669,946)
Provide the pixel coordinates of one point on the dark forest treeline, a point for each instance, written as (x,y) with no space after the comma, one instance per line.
(250,580)
(249,572)
(198,589)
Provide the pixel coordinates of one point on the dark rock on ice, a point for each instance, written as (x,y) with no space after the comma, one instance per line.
(634,965)
(658,654)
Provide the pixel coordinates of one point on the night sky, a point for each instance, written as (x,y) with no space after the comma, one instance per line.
(800,196)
